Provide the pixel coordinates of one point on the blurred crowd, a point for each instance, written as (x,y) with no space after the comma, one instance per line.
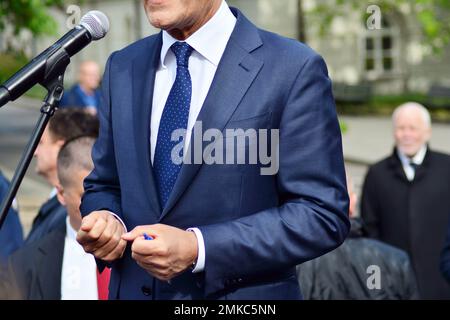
(398,248)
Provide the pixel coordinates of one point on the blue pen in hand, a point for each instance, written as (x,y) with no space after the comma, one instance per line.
(147,237)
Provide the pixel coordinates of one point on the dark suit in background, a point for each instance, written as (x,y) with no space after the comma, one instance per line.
(51,216)
(11,233)
(445,257)
(411,215)
(344,273)
(35,270)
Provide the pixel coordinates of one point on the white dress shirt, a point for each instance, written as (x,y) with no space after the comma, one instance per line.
(79,270)
(53,193)
(406,161)
(209,43)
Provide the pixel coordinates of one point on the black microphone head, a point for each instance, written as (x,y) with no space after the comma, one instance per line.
(97,23)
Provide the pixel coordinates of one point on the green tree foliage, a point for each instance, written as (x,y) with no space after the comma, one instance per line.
(29,15)
(432,15)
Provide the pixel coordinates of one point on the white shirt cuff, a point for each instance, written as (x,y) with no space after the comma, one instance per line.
(118,218)
(15,205)
(200,265)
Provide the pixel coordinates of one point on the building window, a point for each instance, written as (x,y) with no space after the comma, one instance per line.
(381,51)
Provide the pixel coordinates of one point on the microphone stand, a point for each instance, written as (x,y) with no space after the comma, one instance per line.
(55,87)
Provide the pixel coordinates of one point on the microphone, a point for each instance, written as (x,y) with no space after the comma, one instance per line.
(52,62)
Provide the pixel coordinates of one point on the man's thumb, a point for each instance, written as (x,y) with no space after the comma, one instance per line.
(133,234)
(87,223)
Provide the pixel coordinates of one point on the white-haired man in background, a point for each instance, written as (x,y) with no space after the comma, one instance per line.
(406,198)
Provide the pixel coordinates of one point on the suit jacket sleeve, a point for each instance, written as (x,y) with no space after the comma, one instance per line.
(312,218)
(102,189)
(369,203)
(445,257)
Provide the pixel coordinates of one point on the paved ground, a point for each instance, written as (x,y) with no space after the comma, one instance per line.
(367,140)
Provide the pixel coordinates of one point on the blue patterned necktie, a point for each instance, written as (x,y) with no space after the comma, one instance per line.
(175,116)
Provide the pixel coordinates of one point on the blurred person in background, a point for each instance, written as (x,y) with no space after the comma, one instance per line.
(56,266)
(84,94)
(342,274)
(65,125)
(11,233)
(8,290)
(406,198)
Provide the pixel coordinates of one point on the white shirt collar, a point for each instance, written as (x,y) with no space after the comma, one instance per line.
(210,40)
(417,159)
(53,193)
(70,232)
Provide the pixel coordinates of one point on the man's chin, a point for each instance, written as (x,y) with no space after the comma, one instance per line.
(160,24)
(409,152)
(162,19)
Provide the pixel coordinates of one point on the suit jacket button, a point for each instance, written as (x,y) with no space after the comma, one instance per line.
(147,291)
(240,280)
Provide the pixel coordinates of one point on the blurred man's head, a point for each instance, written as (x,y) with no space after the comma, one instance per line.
(89,76)
(65,125)
(74,164)
(412,127)
(180,17)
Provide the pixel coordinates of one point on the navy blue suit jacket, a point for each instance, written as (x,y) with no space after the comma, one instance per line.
(51,216)
(11,233)
(256,227)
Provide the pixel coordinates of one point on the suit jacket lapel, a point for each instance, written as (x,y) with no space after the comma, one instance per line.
(49,266)
(235,74)
(46,208)
(396,166)
(143,78)
(422,169)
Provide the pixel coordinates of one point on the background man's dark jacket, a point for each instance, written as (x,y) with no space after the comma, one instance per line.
(11,234)
(342,274)
(413,215)
(35,269)
(51,216)
(445,257)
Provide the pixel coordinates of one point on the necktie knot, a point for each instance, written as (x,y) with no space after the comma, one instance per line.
(413,165)
(182,52)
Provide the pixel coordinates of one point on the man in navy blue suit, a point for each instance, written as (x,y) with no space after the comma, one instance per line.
(215,225)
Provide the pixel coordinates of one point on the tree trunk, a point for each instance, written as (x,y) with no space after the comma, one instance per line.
(301,32)
(137,20)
